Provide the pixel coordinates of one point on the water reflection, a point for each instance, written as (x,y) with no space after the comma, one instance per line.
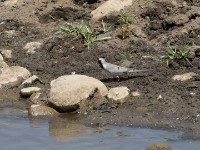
(36,122)
(63,131)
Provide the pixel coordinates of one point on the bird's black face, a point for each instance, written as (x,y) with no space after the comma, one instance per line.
(100,62)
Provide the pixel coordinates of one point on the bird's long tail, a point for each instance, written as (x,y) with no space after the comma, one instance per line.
(131,70)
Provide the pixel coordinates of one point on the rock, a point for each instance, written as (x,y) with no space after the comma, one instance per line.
(41,110)
(158,147)
(10,3)
(26,92)
(32,46)
(13,76)
(2,65)
(38,98)
(184,77)
(6,53)
(68,91)
(34,97)
(174,3)
(118,94)
(135,94)
(29,81)
(10,33)
(159,97)
(109,7)
(1,57)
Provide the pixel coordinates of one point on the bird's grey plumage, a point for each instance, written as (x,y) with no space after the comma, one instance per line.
(115,69)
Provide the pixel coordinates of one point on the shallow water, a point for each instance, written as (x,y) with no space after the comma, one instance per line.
(19,133)
(22,133)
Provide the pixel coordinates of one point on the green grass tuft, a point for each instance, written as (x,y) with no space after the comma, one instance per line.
(124,24)
(84,31)
(183,54)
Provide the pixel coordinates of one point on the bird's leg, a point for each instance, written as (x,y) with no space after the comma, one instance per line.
(118,78)
(114,78)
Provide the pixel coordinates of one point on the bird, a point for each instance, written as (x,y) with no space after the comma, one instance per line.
(115,69)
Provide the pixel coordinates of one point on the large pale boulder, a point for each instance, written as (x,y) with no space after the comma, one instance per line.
(119,94)
(68,91)
(13,76)
(109,7)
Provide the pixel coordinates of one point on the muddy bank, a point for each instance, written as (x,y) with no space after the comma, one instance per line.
(163,102)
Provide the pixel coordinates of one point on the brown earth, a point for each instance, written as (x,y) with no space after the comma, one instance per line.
(156,25)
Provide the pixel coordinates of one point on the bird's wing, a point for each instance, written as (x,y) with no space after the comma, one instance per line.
(115,68)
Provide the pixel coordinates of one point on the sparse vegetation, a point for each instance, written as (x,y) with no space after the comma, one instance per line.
(124,25)
(182,54)
(176,55)
(105,26)
(84,31)
(127,56)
